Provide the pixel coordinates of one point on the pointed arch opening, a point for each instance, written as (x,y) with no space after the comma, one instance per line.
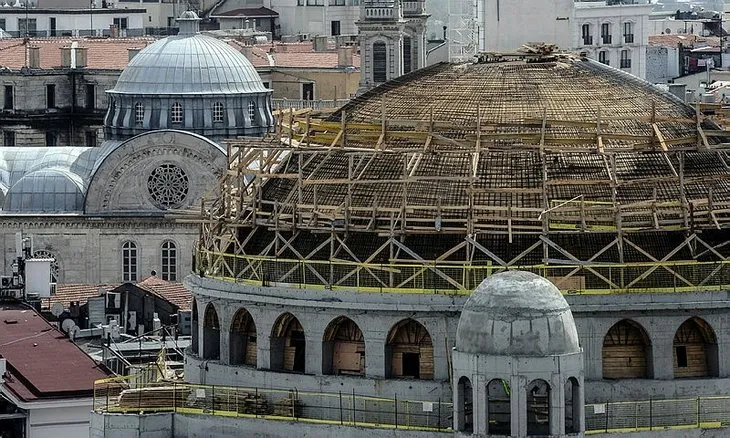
(499,409)
(343,348)
(409,351)
(626,351)
(465,404)
(538,408)
(695,350)
(572,406)
(288,344)
(211,334)
(242,342)
(194,328)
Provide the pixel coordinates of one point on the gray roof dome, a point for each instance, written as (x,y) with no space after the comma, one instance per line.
(517,313)
(51,190)
(189,63)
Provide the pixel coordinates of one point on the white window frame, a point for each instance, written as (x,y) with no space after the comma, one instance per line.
(130,261)
(218,112)
(252,111)
(168,260)
(176,113)
(139,113)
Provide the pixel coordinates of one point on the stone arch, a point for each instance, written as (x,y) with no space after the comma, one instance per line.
(538,408)
(499,408)
(288,344)
(242,339)
(626,351)
(572,406)
(409,351)
(211,334)
(343,348)
(194,327)
(465,405)
(695,349)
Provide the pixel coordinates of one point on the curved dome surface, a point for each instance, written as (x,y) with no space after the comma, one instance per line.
(516,313)
(190,63)
(51,190)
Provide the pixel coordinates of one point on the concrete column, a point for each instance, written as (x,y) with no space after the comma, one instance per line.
(313,356)
(375,353)
(458,397)
(557,405)
(201,336)
(263,341)
(661,357)
(479,405)
(579,409)
(225,324)
(518,405)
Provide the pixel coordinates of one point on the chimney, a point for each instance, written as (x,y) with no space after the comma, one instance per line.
(132,52)
(321,43)
(113,31)
(81,56)
(344,57)
(34,57)
(65,57)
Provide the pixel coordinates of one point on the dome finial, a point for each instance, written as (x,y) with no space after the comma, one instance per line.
(188,23)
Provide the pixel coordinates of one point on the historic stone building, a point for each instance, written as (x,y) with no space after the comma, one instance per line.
(104,212)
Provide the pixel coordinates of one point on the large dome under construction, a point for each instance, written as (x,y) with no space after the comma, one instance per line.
(555,164)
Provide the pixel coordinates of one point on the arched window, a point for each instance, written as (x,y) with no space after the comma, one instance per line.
(218,112)
(129,262)
(343,348)
(465,406)
(138,113)
(626,351)
(211,334)
(169,261)
(538,408)
(407,55)
(409,351)
(572,406)
(380,63)
(695,350)
(586,34)
(243,339)
(499,408)
(176,113)
(252,112)
(288,344)
(194,328)
(45,254)
(625,61)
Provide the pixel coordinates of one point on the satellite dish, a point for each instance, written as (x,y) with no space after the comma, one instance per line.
(668,31)
(68,325)
(56,309)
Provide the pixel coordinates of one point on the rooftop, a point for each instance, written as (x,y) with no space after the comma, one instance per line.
(43,363)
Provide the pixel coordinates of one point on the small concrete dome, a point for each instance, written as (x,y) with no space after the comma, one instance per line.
(517,313)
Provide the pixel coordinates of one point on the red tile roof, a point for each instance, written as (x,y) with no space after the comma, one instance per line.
(43,363)
(687,40)
(65,293)
(174,293)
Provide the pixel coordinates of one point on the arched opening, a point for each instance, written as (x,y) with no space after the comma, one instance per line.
(288,345)
(409,351)
(380,63)
(343,348)
(572,406)
(465,403)
(695,350)
(407,55)
(626,352)
(499,408)
(194,328)
(242,341)
(211,334)
(538,408)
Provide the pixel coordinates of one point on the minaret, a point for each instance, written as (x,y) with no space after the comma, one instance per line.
(392,40)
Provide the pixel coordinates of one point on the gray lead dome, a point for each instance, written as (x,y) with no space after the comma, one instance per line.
(517,313)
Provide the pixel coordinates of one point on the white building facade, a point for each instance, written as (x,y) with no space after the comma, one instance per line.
(317,17)
(20,22)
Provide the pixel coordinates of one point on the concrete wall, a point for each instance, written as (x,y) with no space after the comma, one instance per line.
(508,26)
(133,426)
(315,20)
(328,84)
(59,422)
(70,23)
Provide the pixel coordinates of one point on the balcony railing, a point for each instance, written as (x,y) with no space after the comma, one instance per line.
(379,13)
(629,38)
(606,39)
(413,7)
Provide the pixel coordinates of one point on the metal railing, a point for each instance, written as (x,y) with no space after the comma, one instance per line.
(131,395)
(461,279)
(319,104)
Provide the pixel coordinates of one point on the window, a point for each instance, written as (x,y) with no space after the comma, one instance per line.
(26,27)
(628,33)
(9,138)
(379,63)
(8,98)
(252,112)
(120,23)
(308,91)
(51,139)
(218,112)
(606,33)
(139,113)
(129,262)
(315,2)
(2,24)
(625,59)
(335,28)
(50,95)
(681,356)
(407,67)
(337,3)
(52,26)
(91,139)
(603,57)
(176,113)
(585,32)
(169,261)
(90,96)
(266,85)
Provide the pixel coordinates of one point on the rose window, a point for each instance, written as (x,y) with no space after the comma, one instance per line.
(168,186)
